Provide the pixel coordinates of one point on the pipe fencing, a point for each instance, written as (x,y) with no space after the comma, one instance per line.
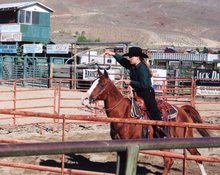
(130,148)
(98,119)
(16,98)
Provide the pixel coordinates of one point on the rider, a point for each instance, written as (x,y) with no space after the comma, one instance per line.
(140,79)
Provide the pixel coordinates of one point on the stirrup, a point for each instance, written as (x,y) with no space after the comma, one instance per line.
(161,130)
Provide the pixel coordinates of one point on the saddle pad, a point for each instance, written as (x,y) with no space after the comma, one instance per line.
(172,113)
(169,111)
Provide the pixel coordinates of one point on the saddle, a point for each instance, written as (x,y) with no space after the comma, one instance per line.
(139,110)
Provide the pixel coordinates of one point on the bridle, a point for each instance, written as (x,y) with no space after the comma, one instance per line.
(95,97)
(105,109)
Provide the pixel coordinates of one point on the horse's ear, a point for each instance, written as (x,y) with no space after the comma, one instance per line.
(106,73)
(99,72)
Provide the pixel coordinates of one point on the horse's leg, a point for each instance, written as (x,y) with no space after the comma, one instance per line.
(150,132)
(113,133)
(168,162)
(194,151)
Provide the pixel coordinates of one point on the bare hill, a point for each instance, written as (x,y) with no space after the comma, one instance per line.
(149,23)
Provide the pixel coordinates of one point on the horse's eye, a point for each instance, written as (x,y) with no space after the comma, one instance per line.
(102,85)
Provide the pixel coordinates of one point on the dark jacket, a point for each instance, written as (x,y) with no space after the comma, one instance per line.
(139,74)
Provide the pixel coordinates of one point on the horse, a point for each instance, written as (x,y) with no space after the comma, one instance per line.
(117,105)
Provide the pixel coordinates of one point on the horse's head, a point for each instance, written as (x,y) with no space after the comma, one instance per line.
(99,89)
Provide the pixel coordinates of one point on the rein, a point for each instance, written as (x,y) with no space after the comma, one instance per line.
(106,109)
(109,109)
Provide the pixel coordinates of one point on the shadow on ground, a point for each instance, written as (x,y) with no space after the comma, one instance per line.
(82,163)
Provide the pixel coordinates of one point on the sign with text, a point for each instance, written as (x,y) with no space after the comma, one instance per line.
(58,48)
(8,48)
(158,76)
(14,28)
(207,90)
(91,74)
(10,37)
(203,74)
(32,48)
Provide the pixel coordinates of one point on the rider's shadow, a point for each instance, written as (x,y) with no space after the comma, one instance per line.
(83,163)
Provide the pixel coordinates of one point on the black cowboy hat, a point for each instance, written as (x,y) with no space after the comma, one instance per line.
(136,51)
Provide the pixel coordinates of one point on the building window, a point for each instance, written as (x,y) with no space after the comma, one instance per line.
(28,17)
(35,17)
(22,16)
(25,17)
(8,17)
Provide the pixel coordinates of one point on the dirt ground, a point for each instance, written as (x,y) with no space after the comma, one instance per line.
(99,162)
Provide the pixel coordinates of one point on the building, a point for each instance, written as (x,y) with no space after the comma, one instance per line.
(27,22)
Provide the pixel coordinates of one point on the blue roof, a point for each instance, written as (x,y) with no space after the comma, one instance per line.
(21,5)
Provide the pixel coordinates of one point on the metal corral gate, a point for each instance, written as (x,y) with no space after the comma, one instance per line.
(127,150)
(62,98)
(15,67)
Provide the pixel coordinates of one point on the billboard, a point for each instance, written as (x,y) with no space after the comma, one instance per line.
(159,76)
(58,48)
(207,77)
(11,48)
(91,74)
(32,48)
(11,37)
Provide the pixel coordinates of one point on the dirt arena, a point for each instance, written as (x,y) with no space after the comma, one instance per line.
(101,162)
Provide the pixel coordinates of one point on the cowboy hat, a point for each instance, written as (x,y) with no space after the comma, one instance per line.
(136,51)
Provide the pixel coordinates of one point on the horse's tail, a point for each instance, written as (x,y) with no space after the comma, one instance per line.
(194,114)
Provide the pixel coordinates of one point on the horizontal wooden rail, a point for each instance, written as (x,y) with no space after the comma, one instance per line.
(130,148)
(105,119)
(49,148)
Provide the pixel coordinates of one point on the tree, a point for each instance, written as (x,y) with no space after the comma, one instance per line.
(205,50)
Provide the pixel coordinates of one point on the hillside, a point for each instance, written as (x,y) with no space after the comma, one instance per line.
(184,23)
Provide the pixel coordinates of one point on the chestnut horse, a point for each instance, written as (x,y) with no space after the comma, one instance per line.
(116,105)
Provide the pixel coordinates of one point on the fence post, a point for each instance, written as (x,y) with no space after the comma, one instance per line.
(25,66)
(193,86)
(1,68)
(50,74)
(127,161)
(132,158)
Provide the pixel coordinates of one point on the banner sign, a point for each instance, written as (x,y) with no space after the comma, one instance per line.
(213,75)
(207,90)
(10,37)
(58,48)
(14,28)
(91,74)
(158,76)
(8,48)
(32,48)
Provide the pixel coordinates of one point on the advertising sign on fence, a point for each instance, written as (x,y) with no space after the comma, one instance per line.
(213,77)
(11,37)
(158,76)
(207,90)
(91,74)
(12,48)
(58,48)
(32,48)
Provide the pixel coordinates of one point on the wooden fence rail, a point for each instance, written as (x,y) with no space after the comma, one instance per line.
(130,148)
